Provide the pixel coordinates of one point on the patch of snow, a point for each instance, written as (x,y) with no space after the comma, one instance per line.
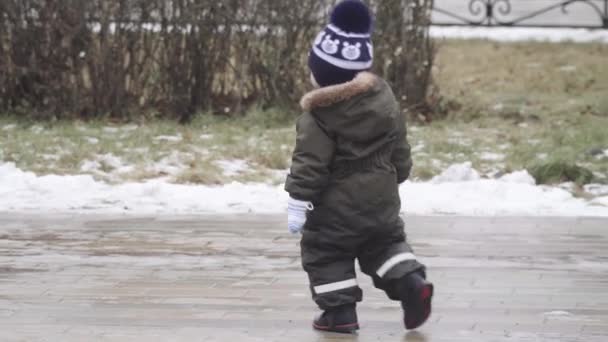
(37,129)
(516,34)
(110,160)
(568,186)
(142,150)
(491,197)
(110,130)
(568,68)
(129,128)
(112,164)
(418,148)
(169,138)
(124,169)
(24,191)
(279,175)
(542,156)
(457,173)
(490,156)
(170,165)
(494,173)
(232,168)
(436,163)
(9,127)
(460,141)
(206,137)
(255,141)
(498,107)
(90,166)
(504,147)
(50,157)
(91,140)
(596,189)
(603,201)
(521,177)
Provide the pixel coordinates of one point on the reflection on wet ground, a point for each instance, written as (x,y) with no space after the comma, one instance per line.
(238,278)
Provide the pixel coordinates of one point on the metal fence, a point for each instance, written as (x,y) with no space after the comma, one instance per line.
(591,14)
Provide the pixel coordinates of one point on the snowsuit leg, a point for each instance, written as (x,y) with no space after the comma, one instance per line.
(331,270)
(387,259)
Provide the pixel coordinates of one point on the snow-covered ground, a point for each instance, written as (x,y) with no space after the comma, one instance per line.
(513,34)
(459,190)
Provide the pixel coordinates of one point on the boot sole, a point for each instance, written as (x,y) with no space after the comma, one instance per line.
(419,311)
(341,329)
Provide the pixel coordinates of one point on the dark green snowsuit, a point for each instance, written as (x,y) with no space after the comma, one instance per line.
(351,153)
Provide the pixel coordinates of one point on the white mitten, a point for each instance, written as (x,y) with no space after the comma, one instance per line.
(296,214)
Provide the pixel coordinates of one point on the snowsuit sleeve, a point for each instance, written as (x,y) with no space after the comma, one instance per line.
(313,154)
(402,158)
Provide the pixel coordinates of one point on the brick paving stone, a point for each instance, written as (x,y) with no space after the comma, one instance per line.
(73,277)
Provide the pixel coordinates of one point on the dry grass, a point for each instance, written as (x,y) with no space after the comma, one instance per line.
(522,80)
(200,172)
(533,103)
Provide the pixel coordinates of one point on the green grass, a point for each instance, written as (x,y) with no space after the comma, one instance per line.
(519,106)
(560,172)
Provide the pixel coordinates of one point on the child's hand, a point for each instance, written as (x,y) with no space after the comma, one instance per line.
(296,214)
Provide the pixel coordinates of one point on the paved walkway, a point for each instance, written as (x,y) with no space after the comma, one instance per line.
(238,278)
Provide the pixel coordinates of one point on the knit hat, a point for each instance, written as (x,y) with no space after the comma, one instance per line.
(344,48)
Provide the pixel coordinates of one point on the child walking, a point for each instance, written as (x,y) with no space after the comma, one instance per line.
(351,155)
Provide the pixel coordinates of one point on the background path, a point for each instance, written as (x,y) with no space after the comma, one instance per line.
(576,14)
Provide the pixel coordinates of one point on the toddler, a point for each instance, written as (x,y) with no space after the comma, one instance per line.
(351,155)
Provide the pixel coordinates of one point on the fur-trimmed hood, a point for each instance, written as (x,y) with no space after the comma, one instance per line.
(327,96)
(363,109)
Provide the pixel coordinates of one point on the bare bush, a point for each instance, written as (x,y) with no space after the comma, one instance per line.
(118,58)
(407,51)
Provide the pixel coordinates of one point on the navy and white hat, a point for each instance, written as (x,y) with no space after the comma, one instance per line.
(344,48)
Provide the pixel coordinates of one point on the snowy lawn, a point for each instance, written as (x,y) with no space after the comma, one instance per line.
(459,190)
(510,107)
(210,151)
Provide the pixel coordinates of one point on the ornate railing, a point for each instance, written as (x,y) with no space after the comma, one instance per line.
(533,13)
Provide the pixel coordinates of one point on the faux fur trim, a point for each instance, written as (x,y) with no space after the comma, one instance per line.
(326,96)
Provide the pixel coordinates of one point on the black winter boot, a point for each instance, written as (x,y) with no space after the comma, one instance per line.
(341,319)
(416,295)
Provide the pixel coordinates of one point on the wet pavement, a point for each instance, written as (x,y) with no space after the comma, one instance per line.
(238,278)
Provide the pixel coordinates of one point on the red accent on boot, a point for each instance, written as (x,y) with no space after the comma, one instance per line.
(419,309)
